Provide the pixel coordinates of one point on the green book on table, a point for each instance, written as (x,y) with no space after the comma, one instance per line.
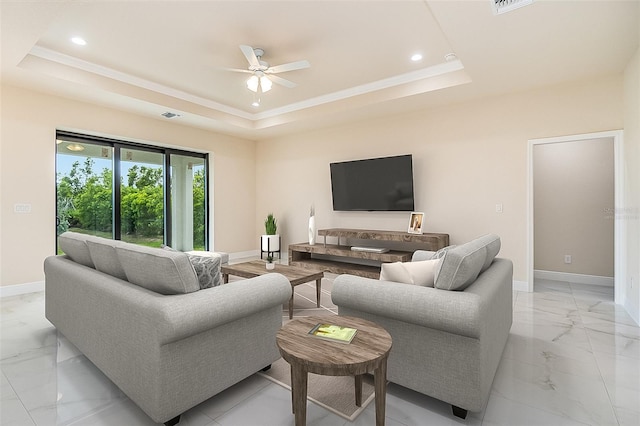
(334,333)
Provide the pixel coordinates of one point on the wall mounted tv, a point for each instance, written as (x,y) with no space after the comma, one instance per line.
(376,184)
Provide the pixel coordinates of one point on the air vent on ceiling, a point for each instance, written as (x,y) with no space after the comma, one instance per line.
(504,6)
(170,114)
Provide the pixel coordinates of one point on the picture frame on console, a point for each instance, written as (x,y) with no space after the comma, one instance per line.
(415,223)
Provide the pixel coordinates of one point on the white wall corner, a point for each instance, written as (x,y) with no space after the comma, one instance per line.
(18,289)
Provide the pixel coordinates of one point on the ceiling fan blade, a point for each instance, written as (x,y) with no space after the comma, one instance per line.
(250,55)
(281,81)
(236,70)
(292,66)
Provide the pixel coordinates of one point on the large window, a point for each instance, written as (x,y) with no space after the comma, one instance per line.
(136,193)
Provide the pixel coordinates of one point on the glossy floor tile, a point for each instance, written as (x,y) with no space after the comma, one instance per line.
(572,358)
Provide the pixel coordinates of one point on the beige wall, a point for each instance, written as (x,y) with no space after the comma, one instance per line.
(629,213)
(467,159)
(574,206)
(27,174)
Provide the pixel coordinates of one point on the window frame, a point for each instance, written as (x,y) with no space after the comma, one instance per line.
(118,145)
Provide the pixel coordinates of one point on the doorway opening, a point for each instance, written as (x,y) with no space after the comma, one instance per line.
(618,232)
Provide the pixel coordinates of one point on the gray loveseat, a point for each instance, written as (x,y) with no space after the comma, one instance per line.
(140,316)
(446,343)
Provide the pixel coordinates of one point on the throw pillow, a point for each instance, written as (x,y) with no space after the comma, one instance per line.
(417,273)
(207,267)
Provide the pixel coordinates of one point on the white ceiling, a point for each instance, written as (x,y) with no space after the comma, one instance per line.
(149,57)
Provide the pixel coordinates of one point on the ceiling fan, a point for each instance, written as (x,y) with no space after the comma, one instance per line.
(263,74)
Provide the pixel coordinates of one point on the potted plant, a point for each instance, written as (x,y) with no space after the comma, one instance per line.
(270,242)
(270,264)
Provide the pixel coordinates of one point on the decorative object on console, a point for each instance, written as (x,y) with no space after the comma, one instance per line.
(415,223)
(270,242)
(312,225)
(270,265)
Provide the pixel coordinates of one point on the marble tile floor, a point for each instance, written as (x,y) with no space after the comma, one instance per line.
(573,358)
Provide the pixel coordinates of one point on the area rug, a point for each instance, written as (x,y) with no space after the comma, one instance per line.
(335,393)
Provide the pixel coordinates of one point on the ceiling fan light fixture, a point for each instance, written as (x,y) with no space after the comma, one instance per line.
(252,83)
(265,83)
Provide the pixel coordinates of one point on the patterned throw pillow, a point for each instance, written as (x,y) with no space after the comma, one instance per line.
(206,264)
(207,267)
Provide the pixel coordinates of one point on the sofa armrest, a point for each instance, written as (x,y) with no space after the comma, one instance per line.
(189,314)
(451,311)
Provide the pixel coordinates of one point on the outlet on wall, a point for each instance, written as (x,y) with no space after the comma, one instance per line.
(22,208)
(567,258)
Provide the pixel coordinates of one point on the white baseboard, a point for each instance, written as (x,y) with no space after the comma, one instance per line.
(520,286)
(574,278)
(244,254)
(17,289)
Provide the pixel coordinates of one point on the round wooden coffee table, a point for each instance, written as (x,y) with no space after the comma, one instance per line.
(367,352)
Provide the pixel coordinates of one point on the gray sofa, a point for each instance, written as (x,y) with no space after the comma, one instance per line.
(140,316)
(447,341)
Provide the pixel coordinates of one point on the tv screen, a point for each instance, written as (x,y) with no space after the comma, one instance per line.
(376,184)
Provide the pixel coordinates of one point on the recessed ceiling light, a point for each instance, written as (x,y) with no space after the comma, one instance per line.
(255,104)
(79,41)
(416,57)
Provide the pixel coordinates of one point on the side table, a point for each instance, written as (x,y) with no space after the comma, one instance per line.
(367,352)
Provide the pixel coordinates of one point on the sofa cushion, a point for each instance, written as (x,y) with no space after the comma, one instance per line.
(104,256)
(493,244)
(207,267)
(162,271)
(74,245)
(461,265)
(440,253)
(418,273)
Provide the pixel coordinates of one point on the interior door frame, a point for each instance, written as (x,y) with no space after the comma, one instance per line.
(620,247)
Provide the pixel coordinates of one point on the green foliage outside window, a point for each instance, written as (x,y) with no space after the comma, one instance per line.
(85,203)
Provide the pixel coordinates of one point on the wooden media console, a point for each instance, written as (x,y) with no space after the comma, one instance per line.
(340,259)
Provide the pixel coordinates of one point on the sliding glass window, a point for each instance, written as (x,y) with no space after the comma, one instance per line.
(131,192)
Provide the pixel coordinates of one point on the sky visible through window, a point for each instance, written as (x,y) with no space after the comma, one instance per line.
(65,163)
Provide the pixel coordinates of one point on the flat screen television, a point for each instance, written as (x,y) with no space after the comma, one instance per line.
(376,184)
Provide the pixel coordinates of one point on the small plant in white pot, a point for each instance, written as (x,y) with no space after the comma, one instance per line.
(270,264)
(270,242)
